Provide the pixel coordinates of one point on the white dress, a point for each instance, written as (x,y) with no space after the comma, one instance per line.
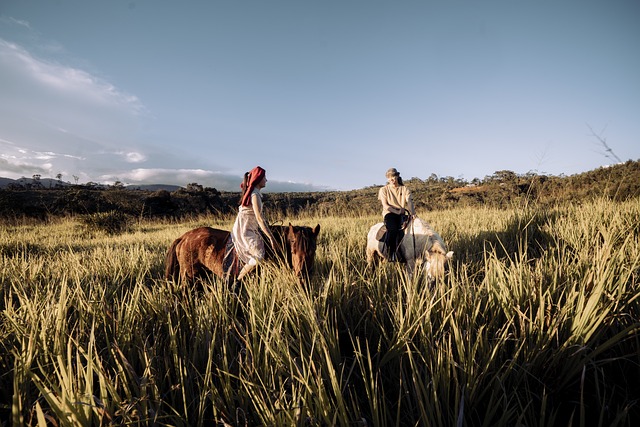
(247,239)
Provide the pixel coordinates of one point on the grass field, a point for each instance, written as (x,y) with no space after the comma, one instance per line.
(536,324)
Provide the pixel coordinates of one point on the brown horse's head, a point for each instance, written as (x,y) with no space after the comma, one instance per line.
(301,245)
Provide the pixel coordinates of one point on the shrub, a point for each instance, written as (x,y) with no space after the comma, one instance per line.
(112,222)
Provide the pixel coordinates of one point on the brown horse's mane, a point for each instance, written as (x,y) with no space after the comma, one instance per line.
(280,232)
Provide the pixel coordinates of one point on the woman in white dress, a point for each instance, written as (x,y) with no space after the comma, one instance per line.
(246,229)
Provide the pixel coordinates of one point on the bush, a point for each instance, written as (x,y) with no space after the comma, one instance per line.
(112,222)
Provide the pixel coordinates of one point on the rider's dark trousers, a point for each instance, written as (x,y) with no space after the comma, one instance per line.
(393,222)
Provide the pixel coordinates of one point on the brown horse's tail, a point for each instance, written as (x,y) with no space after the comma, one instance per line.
(171,264)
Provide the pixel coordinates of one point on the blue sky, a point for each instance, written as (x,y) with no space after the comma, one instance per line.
(323,94)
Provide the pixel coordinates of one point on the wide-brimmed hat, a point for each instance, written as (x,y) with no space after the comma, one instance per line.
(392,172)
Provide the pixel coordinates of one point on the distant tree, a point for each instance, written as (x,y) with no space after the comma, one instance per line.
(36,180)
(59,177)
(505,176)
(447,179)
(194,187)
(76,178)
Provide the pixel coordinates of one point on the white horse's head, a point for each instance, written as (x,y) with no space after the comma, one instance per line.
(437,260)
(429,247)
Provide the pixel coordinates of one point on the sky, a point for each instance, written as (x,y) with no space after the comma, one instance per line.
(323,94)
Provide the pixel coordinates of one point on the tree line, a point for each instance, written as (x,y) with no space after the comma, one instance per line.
(500,190)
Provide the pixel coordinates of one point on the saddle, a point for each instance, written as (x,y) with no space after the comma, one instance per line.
(381,235)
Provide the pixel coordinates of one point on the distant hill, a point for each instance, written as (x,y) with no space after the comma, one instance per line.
(54,183)
(30,182)
(4,182)
(47,197)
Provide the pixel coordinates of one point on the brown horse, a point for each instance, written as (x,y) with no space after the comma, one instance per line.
(205,250)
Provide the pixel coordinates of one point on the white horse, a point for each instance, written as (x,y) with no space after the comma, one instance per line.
(420,244)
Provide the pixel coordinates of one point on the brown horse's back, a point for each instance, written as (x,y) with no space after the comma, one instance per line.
(196,253)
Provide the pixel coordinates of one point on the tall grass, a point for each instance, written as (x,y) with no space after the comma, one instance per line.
(536,324)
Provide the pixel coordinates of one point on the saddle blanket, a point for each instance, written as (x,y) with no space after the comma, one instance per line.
(381,235)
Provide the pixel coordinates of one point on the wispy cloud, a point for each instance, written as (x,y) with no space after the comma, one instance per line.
(132,156)
(17,168)
(57,119)
(49,105)
(19,22)
(69,83)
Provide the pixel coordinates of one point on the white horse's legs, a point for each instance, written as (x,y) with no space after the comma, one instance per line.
(411,267)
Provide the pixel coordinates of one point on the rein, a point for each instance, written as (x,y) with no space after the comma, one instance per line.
(413,235)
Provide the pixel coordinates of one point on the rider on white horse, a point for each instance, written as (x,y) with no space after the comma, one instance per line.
(396,202)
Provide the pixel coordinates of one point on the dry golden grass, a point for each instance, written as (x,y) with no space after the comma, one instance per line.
(536,323)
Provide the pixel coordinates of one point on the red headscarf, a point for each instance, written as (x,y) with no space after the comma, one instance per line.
(255,176)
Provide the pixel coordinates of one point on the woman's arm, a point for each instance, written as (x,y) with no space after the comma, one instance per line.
(256,202)
(409,203)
